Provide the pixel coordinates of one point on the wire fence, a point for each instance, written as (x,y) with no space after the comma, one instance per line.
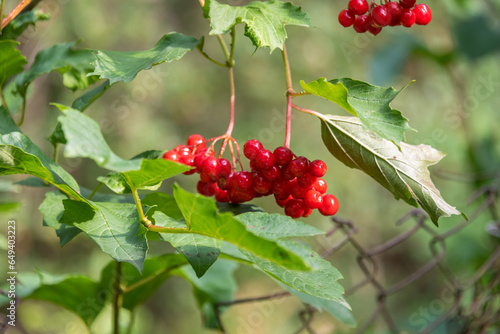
(469,305)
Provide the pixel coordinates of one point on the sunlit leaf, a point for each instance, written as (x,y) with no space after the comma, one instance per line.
(264,21)
(367,102)
(124,66)
(403,171)
(11,60)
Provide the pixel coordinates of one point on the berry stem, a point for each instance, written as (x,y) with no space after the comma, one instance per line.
(117,297)
(307,111)
(289,95)
(204,54)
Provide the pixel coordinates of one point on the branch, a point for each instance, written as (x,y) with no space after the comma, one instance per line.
(16,11)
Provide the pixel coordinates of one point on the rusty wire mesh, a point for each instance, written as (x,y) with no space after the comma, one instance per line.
(473,304)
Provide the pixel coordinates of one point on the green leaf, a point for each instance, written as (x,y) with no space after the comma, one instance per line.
(367,102)
(217,285)
(138,288)
(201,216)
(338,310)
(158,201)
(78,294)
(320,281)
(84,139)
(115,227)
(11,60)
(74,65)
(402,170)
(201,251)
(124,66)
(276,226)
(52,209)
(81,103)
(264,21)
(18,155)
(16,27)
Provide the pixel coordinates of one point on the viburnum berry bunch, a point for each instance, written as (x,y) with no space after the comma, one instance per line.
(295,182)
(373,17)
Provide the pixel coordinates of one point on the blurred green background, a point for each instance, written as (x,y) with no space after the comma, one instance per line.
(453,103)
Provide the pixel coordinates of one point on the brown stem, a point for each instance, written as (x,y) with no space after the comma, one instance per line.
(12,15)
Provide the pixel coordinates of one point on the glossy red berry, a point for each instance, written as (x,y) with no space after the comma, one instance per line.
(381,16)
(423,14)
(282,202)
(283,155)
(358,7)
(225,182)
(242,181)
(329,205)
(362,23)
(346,18)
(251,148)
(317,168)
(395,9)
(306,181)
(294,208)
(221,196)
(211,167)
(313,199)
(171,155)
(281,188)
(307,211)
(207,189)
(261,185)
(407,17)
(407,3)
(225,167)
(182,150)
(297,191)
(320,185)
(299,166)
(264,159)
(196,141)
(374,29)
(271,173)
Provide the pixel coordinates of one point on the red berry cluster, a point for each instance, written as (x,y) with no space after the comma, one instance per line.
(295,182)
(373,18)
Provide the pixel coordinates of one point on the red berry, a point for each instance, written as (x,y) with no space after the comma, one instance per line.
(313,199)
(362,24)
(306,181)
(346,18)
(225,167)
(207,189)
(381,16)
(182,150)
(407,17)
(261,185)
(307,212)
(317,168)
(374,29)
(423,14)
(297,191)
(281,188)
(225,182)
(283,155)
(329,206)
(205,178)
(294,208)
(286,173)
(358,7)
(172,156)
(407,3)
(320,185)
(236,196)
(188,160)
(211,167)
(264,159)
(243,181)
(251,148)
(282,202)
(271,173)
(395,9)
(299,166)
(196,141)
(221,196)
(199,158)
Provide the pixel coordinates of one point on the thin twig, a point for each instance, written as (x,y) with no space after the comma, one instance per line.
(117,297)
(12,15)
